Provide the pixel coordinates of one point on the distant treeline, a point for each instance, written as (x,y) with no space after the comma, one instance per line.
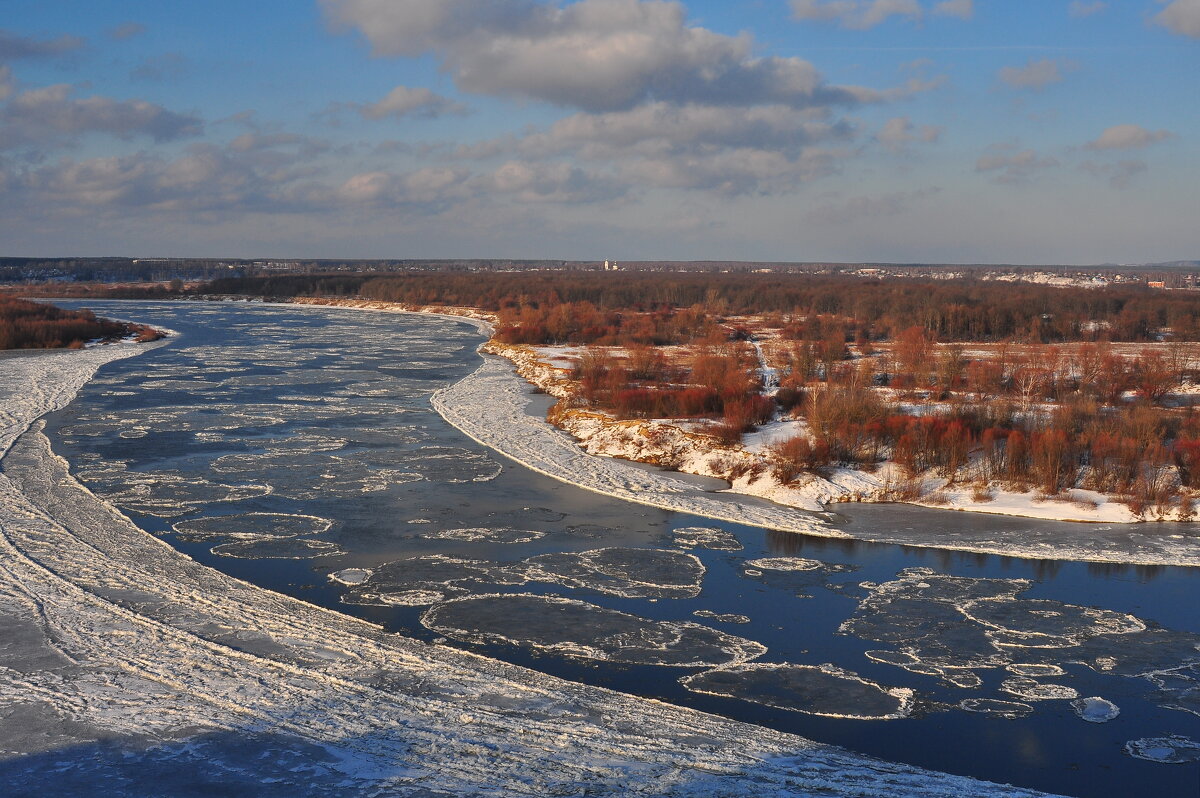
(32,325)
(101,270)
(865,307)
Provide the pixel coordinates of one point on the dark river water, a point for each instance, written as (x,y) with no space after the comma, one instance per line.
(284,445)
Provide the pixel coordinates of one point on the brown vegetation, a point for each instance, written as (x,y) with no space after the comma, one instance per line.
(32,325)
(863,308)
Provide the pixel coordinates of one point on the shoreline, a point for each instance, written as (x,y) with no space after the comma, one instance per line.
(471,406)
(147,627)
(489,406)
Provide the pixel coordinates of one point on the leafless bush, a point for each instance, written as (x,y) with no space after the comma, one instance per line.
(982,493)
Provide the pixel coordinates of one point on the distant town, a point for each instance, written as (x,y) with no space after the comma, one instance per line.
(1172,275)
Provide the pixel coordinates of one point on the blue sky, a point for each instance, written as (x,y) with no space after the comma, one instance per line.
(1055,131)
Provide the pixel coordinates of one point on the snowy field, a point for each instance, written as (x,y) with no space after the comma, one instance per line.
(128,668)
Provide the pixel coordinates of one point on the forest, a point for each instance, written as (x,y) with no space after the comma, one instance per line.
(33,325)
(598,304)
(1044,418)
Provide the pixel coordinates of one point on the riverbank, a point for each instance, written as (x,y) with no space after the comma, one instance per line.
(489,405)
(749,470)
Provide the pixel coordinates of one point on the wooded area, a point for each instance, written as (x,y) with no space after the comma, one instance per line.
(33,325)
(864,307)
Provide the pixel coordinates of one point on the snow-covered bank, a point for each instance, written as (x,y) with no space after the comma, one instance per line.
(34,384)
(482,321)
(748,466)
(489,406)
(111,633)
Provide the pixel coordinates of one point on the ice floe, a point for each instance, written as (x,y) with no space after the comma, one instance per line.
(1009,710)
(1048,621)
(481,534)
(823,690)
(435,574)
(443,464)
(166,494)
(268,548)
(265,524)
(1095,709)
(578,629)
(721,617)
(313,475)
(1034,669)
(1172,750)
(785,564)
(629,573)
(1032,690)
(702,537)
(951,627)
(351,576)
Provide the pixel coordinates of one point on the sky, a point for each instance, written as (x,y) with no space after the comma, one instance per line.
(939,131)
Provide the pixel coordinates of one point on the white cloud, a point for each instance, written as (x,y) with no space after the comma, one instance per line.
(1034,75)
(204,178)
(868,207)
(865,14)
(13,46)
(433,189)
(1080,8)
(734,171)
(1182,17)
(1127,137)
(598,55)
(897,133)
(127,30)
(962,9)
(856,14)
(653,94)
(759,150)
(6,82)
(661,127)
(541,182)
(404,101)
(1119,175)
(268,142)
(167,66)
(44,115)
(1012,165)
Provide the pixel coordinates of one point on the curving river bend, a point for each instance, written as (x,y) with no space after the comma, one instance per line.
(294,448)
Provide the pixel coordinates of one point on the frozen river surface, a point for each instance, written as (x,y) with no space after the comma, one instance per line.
(294,449)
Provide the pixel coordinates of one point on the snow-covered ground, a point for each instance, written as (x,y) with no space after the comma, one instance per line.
(112,635)
(489,406)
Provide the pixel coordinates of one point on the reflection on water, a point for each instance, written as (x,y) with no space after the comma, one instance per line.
(295,448)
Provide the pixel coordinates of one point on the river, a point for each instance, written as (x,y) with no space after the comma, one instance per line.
(295,448)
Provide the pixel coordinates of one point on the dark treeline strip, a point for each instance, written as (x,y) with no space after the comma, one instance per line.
(95,291)
(952,310)
(32,325)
